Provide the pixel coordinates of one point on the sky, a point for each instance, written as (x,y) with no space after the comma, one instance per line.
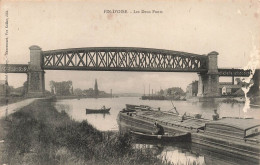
(232,28)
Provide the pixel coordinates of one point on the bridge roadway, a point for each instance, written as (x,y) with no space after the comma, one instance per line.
(23,68)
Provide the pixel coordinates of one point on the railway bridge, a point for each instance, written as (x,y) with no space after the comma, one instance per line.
(122,59)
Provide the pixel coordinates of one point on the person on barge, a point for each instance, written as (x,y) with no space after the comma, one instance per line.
(159,129)
(183,117)
(216,115)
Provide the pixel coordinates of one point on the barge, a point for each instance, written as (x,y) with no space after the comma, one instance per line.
(234,136)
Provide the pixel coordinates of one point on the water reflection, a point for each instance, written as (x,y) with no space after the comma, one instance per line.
(191,153)
(64,107)
(99,114)
(214,156)
(211,105)
(172,152)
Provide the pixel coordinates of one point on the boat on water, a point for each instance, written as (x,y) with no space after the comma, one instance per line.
(102,110)
(234,136)
(184,137)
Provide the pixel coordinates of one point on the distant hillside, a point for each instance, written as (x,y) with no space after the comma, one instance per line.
(128,94)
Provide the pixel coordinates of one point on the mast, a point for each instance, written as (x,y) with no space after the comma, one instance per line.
(96,88)
(144,90)
(149,89)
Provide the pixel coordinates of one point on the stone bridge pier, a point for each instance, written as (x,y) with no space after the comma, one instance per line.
(35,75)
(209,81)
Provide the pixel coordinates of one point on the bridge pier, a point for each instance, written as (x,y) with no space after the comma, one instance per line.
(209,82)
(35,75)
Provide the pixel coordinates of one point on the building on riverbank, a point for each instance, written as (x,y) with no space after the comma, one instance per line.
(92,92)
(229,89)
(192,89)
(225,89)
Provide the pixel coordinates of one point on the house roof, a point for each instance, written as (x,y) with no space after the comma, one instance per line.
(239,92)
(242,124)
(225,83)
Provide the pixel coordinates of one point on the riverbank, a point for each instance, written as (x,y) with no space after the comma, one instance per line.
(217,99)
(10,100)
(39,134)
(76,97)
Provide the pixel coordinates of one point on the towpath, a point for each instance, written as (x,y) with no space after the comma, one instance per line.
(11,108)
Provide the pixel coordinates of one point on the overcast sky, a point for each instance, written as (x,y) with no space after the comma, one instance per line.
(228,27)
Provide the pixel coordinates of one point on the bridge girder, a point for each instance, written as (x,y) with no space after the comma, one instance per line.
(234,72)
(13,68)
(123,59)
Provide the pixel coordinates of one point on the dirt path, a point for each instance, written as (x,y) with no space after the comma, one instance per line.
(11,108)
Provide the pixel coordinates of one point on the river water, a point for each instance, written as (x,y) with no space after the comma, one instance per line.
(177,153)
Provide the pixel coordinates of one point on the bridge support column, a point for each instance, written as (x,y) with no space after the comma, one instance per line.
(35,76)
(208,85)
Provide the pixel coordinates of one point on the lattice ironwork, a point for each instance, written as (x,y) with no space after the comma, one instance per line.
(123,59)
(234,72)
(13,68)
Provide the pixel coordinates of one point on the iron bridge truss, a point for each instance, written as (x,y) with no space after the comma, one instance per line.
(123,59)
(13,68)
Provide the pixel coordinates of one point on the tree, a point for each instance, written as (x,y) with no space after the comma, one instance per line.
(178,91)
(63,88)
(175,91)
(161,92)
(78,92)
(169,91)
(52,86)
(238,80)
(25,88)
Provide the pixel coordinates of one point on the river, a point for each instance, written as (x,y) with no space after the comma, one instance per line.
(182,153)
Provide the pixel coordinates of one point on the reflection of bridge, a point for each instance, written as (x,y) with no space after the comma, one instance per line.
(122,59)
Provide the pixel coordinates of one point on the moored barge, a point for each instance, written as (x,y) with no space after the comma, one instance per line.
(237,137)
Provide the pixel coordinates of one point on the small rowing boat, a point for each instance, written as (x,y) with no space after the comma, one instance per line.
(183,137)
(102,110)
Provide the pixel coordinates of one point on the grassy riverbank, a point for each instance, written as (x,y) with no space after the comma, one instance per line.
(39,134)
